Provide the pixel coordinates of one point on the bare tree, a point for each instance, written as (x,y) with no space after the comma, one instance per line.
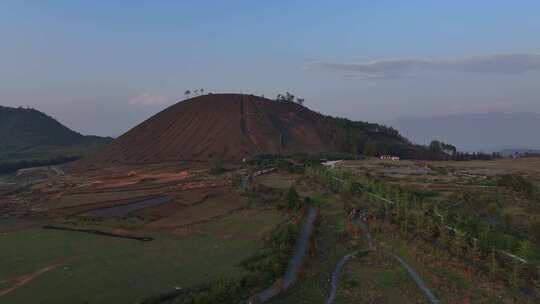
(196,92)
(300,101)
(187,93)
(202,91)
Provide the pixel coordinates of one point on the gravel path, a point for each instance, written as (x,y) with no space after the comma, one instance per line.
(335,276)
(412,273)
(418,280)
(301,248)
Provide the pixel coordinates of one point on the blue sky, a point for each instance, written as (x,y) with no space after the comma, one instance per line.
(103,66)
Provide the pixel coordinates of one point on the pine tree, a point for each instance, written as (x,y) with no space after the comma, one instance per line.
(459,238)
(474,250)
(493,265)
(293,199)
(419,225)
(444,235)
(525,249)
(514,279)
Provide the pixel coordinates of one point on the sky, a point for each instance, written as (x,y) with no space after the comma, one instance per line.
(102,67)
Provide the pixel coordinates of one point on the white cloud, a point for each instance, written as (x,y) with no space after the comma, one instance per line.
(146,99)
(391,68)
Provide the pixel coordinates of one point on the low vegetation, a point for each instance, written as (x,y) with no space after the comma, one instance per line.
(455,223)
(495,245)
(262,269)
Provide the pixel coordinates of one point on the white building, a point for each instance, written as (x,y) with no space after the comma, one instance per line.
(390,157)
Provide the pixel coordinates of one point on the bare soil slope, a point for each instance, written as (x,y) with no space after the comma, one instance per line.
(233,126)
(219,126)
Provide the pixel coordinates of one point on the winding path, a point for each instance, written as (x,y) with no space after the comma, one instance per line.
(410,271)
(335,276)
(301,249)
(418,280)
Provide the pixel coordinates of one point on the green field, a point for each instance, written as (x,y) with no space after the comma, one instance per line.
(233,226)
(97,269)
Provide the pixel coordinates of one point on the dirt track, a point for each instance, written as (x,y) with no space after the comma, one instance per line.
(335,277)
(27,278)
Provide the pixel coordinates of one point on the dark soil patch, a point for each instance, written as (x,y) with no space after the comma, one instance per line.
(102,233)
(123,210)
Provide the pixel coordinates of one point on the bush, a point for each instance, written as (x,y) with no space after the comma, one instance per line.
(293,199)
(534,227)
(217,168)
(263,268)
(272,260)
(516,183)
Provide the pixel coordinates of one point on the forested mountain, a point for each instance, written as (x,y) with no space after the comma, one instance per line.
(22,127)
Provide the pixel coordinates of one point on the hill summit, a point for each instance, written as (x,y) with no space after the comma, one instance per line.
(235,126)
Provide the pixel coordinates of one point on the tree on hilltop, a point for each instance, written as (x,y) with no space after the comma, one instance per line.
(288,97)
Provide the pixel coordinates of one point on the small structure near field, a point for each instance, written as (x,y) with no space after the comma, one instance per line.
(390,157)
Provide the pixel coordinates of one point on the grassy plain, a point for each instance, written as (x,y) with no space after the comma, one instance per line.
(97,269)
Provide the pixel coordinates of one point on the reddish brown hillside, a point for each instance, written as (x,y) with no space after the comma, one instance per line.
(219,126)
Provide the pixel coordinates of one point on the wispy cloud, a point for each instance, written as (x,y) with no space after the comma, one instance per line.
(391,68)
(146,99)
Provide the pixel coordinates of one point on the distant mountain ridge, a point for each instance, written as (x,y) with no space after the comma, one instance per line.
(26,127)
(490,132)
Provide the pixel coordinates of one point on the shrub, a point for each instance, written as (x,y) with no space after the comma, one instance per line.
(534,227)
(293,199)
(516,183)
(217,167)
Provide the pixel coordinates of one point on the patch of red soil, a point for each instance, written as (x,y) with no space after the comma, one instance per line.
(166,177)
(133,178)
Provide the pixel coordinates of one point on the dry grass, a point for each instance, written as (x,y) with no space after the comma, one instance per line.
(519,165)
